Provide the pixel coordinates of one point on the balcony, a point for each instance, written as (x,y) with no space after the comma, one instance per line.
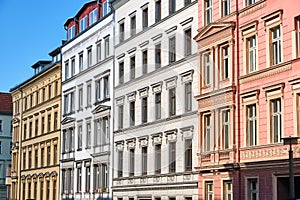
(220,159)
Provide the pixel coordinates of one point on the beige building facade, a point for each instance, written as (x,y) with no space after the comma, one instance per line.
(36,132)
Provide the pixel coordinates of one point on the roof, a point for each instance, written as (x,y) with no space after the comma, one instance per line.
(80,11)
(41,63)
(6,105)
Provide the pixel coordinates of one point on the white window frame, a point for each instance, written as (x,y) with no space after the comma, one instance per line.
(207,11)
(276,115)
(93,16)
(276,45)
(83,23)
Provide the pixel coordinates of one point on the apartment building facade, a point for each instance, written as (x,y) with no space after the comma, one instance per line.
(155,132)
(87,92)
(36,132)
(6,112)
(248,98)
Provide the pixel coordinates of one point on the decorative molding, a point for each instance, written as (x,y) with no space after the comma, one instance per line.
(186,21)
(157,37)
(120,145)
(143,92)
(187,76)
(171,82)
(171,135)
(121,56)
(156,138)
(144,44)
(131,50)
(131,96)
(170,30)
(120,100)
(157,87)
(267,72)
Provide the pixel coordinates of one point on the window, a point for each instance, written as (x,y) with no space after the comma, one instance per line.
(80,62)
(157,105)
(48,155)
(227,186)
(93,16)
(120,163)
(72,68)
(88,135)
(145,18)
(253,189)
(55,121)
(66,74)
(188,154)
(96,176)
(208,11)
(42,189)
(121,72)
(43,125)
(87,178)
(55,154)
(79,175)
(145,61)
(89,57)
(122,31)
(158,158)
(72,102)
(48,123)
(42,157)
(188,96)
(79,141)
(98,90)
(276,120)
(36,159)
(35,190)
(225,62)
(172,157)
(207,133)
(120,117)
(226,128)
(188,42)
(80,99)
(36,127)
(207,69)
(97,133)
(30,129)
(89,96)
(157,10)
(276,45)
(298,35)
(71,32)
(106,7)
(131,162)
(144,160)
(1,125)
(187,2)
(172,49)
(157,56)
(98,46)
(48,189)
(24,158)
(106,47)
(104,176)
(172,101)
(251,54)
(132,68)
(133,25)
(172,6)
(105,130)
(144,109)
(225,7)
(250,2)
(29,158)
(106,87)
(65,142)
(251,125)
(132,113)
(83,23)
(209,190)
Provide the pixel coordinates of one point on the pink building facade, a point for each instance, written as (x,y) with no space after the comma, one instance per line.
(248,98)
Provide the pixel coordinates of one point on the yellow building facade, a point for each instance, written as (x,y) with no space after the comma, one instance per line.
(36,133)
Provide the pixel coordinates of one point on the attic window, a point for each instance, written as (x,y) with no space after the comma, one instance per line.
(106,8)
(93,16)
(83,23)
(71,32)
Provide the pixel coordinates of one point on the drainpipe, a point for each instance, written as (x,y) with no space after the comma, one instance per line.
(237,107)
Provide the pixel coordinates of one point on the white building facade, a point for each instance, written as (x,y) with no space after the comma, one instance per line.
(87,111)
(155,131)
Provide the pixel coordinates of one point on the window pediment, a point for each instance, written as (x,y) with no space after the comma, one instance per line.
(67,120)
(100,109)
(214,28)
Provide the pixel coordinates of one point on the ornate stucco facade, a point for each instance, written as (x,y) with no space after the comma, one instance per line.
(248,98)
(36,132)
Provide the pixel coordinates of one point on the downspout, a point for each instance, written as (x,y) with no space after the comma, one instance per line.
(237,107)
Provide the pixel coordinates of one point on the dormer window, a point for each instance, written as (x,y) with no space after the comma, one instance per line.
(93,16)
(71,32)
(106,8)
(83,23)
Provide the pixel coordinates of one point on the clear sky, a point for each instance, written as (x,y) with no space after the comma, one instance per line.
(29,31)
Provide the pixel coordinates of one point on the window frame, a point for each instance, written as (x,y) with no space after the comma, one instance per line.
(172,49)
(172,157)
(208,8)
(172,101)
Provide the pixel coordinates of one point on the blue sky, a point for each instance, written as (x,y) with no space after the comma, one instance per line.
(29,31)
